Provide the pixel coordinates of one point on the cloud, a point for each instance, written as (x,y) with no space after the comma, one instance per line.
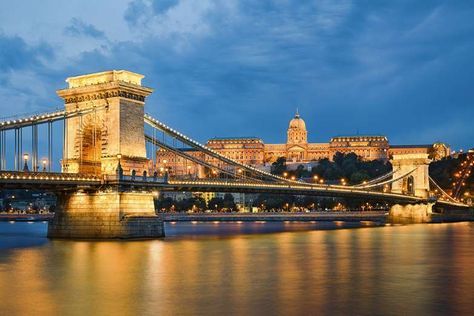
(242,67)
(78,28)
(15,53)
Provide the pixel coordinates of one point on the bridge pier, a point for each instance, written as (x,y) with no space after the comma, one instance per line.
(105,215)
(411,213)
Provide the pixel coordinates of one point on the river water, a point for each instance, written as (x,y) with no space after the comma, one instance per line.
(242,269)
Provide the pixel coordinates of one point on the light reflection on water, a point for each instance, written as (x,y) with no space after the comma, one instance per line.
(415,269)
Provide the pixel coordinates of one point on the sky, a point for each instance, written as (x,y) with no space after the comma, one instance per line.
(403,69)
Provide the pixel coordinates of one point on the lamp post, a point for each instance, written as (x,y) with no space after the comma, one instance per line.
(119,167)
(44,164)
(25,166)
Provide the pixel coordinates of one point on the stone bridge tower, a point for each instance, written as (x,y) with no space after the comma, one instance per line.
(417,183)
(111,127)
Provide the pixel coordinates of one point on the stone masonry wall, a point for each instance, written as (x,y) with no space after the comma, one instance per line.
(105,215)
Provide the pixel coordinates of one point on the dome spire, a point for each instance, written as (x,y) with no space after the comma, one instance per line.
(297,115)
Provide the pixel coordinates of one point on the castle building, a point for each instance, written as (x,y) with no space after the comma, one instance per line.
(297,150)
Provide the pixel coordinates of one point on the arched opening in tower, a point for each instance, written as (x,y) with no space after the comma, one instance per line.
(90,149)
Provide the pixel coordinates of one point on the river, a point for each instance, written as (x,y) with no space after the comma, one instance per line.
(242,269)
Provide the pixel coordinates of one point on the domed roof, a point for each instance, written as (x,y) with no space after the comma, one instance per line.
(297,122)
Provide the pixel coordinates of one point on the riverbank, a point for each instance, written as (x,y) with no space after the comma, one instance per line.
(373,216)
(25,217)
(379,216)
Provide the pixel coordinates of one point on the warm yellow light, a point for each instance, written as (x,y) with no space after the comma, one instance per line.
(26,156)
(119,156)
(316,177)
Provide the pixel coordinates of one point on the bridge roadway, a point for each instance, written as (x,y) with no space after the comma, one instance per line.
(68,181)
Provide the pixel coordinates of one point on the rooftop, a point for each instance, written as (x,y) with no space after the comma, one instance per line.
(412,146)
(235,138)
(359,137)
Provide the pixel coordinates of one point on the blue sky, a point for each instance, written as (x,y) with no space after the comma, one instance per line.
(403,69)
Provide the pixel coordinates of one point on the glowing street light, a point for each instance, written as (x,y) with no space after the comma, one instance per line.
(25,158)
(44,164)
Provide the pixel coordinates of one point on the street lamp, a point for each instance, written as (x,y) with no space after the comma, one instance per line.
(119,167)
(25,158)
(44,165)
(285,174)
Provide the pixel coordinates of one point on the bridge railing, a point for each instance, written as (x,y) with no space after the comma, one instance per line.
(46,176)
(136,178)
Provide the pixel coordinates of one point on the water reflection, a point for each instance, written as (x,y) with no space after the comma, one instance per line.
(413,269)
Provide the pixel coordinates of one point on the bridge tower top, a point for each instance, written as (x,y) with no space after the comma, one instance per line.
(105,77)
(110,127)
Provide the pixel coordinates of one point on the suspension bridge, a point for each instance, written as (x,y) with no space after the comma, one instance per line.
(107,174)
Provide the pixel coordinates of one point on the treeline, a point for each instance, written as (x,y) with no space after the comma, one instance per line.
(344,166)
(197,204)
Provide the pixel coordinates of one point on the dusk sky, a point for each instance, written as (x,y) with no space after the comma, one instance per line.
(403,69)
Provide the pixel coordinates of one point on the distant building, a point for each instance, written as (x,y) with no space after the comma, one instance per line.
(297,150)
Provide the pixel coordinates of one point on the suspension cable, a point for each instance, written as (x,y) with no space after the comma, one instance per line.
(186,156)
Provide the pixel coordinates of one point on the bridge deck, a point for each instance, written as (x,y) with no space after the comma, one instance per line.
(65,181)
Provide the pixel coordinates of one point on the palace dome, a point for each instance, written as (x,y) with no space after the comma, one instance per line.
(297,123)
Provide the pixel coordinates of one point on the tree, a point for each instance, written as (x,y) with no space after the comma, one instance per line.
(228,202)
(279,166)
(302,172)
(163,204)
(215,203)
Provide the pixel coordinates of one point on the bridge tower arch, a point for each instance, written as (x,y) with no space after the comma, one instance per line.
(417,182)
(111,103)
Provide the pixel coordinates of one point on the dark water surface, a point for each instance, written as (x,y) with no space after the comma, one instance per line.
(214,269)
